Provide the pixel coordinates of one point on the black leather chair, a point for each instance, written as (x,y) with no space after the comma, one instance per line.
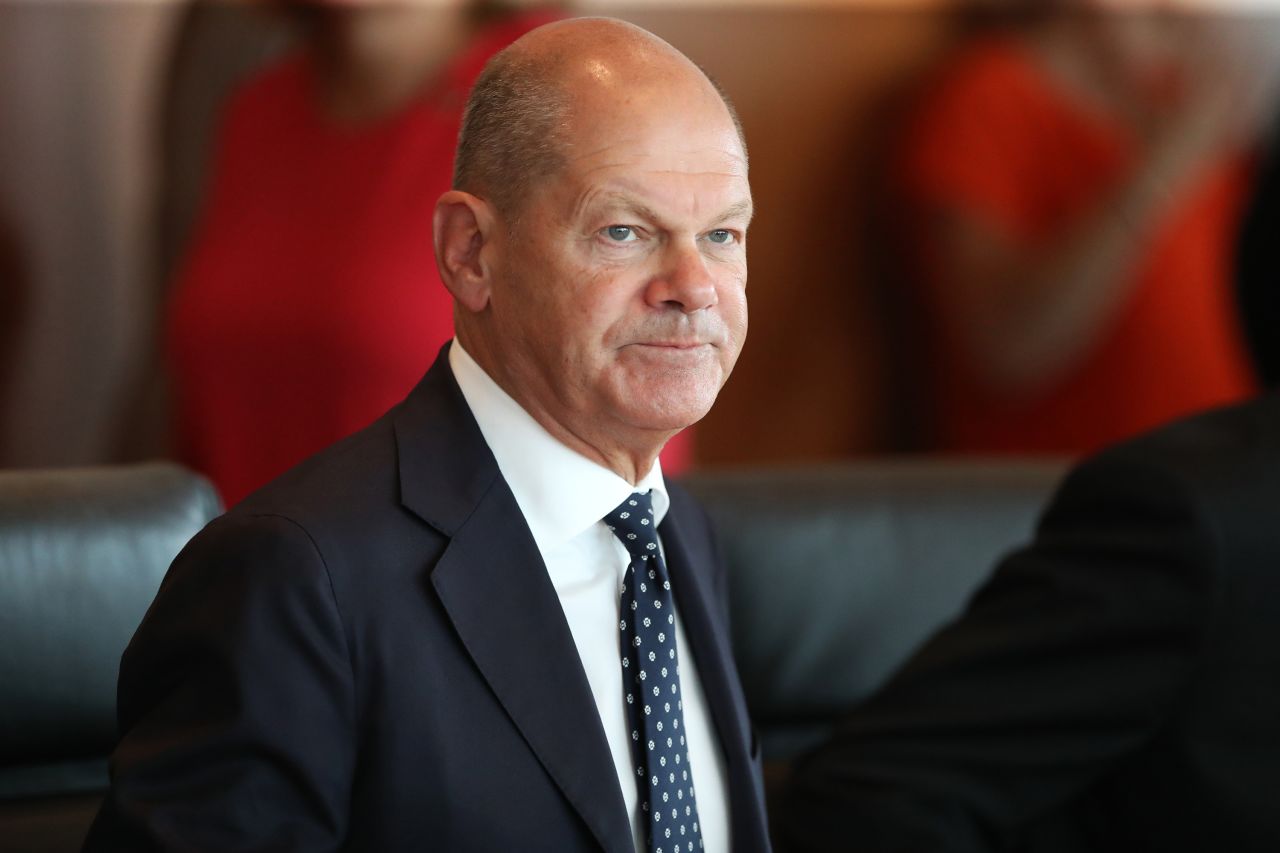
(838,573)
(82,552)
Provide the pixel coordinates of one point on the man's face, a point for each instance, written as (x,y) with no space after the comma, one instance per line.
(620,300)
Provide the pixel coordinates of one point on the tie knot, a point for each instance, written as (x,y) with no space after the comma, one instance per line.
(633,523)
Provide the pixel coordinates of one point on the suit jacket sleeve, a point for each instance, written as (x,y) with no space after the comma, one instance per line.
(235,702)
(1064,663)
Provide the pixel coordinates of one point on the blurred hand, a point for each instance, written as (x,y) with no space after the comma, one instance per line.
(1212,111)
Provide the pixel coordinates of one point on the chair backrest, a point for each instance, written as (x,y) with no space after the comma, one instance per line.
(82,552)
(838,573)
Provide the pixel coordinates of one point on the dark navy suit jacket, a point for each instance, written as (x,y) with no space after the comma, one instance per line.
(368,654)
(1114,687)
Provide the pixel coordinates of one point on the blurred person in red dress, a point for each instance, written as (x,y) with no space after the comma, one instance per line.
(1072,184)
(309,301)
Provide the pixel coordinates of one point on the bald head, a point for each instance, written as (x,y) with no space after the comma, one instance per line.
(527,112)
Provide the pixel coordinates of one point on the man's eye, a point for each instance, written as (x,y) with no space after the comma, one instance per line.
(620,233)
(720,236)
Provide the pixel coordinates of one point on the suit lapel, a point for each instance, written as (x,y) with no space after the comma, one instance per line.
(708,638)
(494,586)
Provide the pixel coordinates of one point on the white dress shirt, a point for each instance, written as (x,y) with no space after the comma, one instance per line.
(564,496)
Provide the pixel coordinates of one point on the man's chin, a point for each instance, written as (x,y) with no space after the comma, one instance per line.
(670,418)
(666,402)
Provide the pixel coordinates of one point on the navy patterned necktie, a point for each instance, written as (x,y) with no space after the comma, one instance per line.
(651,684)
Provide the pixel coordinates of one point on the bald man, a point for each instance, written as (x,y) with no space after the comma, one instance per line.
(458,630)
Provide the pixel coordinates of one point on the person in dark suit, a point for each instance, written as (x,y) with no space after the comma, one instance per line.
(1113,687)
(427,637)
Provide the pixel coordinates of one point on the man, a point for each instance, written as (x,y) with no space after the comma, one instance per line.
(1113,687)
(427,637)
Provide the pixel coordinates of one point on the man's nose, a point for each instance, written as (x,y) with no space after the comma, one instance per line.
(685,281)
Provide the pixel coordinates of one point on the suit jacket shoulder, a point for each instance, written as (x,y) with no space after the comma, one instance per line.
(1121,651)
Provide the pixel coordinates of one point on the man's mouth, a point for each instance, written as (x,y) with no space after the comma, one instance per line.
(675,344)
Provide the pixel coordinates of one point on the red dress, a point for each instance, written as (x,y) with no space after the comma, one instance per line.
(1000,141)
(309,302)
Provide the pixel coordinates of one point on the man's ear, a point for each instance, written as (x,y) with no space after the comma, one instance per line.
(463,226)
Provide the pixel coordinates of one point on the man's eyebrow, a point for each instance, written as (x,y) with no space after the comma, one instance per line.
(742,208)
(629,203)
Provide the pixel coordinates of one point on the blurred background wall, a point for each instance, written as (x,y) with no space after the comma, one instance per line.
(96,192)
(78,86)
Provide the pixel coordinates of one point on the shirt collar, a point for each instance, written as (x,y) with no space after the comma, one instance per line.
(560,491)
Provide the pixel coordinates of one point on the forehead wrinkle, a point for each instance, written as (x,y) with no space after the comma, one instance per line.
(626,164)
(732,157)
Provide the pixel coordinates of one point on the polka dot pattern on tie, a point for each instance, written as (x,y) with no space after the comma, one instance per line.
(651,684)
